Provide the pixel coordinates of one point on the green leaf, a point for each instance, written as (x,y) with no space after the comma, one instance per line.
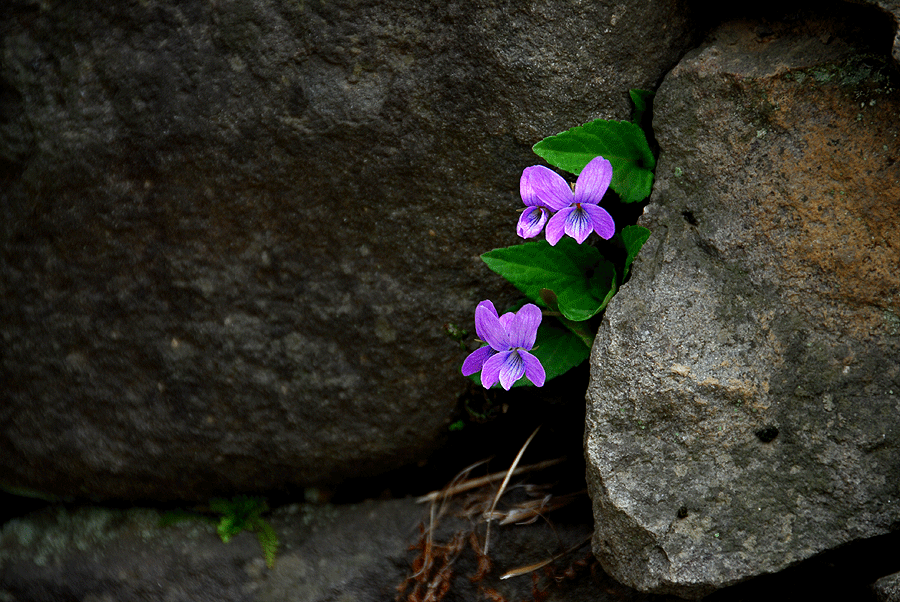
(558,349)
(633,237)
(220,506)
(268,540)
(238,514)
(533,266)
(582,330)
(587,298)
(621,143)
(641,100)
(538,269)
(228,528)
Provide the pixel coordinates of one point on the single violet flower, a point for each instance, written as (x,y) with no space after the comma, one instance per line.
(577,214)
(509,339)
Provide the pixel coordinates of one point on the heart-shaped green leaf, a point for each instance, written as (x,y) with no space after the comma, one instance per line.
(622,143)
(537,265)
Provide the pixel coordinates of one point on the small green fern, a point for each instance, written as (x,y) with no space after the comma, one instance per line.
(240,513)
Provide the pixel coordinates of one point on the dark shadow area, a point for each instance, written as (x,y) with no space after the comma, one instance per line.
(846,573)
(12,506)
(866,27)
(494,425)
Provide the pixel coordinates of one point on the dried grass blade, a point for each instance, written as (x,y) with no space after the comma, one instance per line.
(524,570)
(447,492)
(509,474)
(529,511)
(480,481)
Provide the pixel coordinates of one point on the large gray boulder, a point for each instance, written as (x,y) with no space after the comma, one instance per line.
(744,405)
(232,233)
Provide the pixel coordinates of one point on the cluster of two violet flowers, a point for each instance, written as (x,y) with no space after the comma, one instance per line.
(548,202)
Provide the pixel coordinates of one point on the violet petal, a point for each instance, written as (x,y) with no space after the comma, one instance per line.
(476,360)
(556,226)
(601,220)
(490,372)
(512,369)
(526,190)
(593,181)
(578,224)
(488,305)
(548,186)
(488,326)
(533,368)
(523,329)
(505,320)
(532,221)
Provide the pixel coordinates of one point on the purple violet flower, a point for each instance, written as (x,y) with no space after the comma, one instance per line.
(509,339)
(577,214)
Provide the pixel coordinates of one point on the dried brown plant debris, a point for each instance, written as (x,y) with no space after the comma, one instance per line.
(509,474)
(528,512)
(462,486)
(477,501)
(484,561)
(493,595)
(432,568)
(529,568)
(540,589)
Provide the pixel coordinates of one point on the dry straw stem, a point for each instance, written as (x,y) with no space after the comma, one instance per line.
(528,512)
(509,474)
(524,570)
(476,483)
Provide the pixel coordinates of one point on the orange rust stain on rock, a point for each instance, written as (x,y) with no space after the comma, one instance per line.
(831,207)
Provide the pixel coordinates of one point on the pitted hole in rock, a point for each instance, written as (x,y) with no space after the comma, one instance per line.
(689,217)
(767,434)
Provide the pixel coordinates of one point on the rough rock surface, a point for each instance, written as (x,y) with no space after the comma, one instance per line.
(232,233)
(744,405)
(887,589)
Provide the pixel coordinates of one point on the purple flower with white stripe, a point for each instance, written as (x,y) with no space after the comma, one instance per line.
(576,214)
(509,339)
